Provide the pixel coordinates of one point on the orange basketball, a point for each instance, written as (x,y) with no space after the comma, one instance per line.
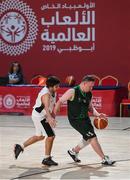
(70,80)
(100,123)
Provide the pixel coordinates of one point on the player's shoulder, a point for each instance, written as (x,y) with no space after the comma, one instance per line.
(70,91)
(44,90)
(76,87)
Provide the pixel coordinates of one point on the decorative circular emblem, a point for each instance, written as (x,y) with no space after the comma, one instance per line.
(13,27)
(18,27)
(9,101)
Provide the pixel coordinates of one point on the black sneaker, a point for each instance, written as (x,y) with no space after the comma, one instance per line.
(107,161)
(49,162)
(17,150)
(74,156)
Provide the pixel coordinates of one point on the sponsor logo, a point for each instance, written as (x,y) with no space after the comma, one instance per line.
(9,101)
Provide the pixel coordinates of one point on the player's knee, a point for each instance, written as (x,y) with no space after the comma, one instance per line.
(51,138)
(93,139)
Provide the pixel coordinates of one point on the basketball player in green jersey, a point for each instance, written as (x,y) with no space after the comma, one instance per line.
(79,104)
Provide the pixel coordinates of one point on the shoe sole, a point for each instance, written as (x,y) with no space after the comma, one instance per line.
(45,165)
(48,165)
(109,164)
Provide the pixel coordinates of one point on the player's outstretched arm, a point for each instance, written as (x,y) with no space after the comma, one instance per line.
(95,112)
(68,95)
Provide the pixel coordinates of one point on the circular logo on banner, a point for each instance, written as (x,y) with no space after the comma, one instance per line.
(9,101)
(18,26)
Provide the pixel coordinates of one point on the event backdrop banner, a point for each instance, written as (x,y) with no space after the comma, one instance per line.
(62,37)
(22,99)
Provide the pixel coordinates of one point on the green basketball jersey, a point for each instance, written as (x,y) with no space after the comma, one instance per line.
(79,106)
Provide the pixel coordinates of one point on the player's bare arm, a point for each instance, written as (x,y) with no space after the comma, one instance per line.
(46,101)
(95,112)
(68,95)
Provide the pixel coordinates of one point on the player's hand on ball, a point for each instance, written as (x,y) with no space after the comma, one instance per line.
(103,115)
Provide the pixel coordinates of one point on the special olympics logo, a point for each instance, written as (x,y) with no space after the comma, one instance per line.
(9,101)
(18,27)
(13,27)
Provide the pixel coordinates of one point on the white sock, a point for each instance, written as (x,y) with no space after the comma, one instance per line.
(73,151)
(83,143)
(22,146)
(47,156)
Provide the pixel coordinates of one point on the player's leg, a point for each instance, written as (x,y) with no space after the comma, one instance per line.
(32,140)
(48,143)
(18,148)
(83,143)
(89,137)
(78,126)
(97,148)
(74,152)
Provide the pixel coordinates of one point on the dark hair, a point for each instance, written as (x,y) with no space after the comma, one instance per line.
(19,67)
(52,81)
(88,78)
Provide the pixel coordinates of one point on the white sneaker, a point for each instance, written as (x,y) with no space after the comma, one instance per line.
(74,156)
(106,161)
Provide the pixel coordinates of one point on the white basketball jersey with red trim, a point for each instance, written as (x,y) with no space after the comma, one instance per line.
(38,109)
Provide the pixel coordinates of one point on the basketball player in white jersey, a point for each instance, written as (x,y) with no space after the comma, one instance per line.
(44,120)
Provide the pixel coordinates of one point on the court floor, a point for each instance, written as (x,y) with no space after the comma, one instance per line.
(115,141)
